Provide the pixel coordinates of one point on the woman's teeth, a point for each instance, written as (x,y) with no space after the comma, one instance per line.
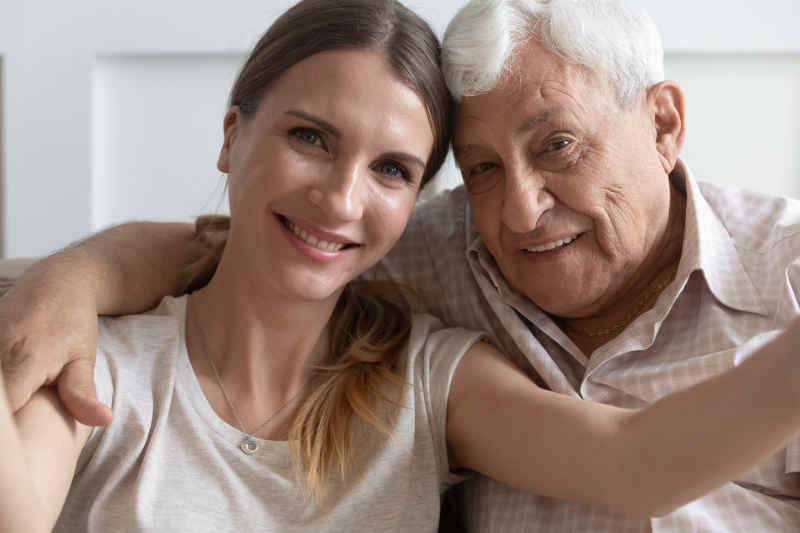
(312,240)
(552,245)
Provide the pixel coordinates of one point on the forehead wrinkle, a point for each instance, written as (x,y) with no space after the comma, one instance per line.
(533,122)
(538,74)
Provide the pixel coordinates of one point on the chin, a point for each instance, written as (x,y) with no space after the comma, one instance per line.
(553,304)
(317,294)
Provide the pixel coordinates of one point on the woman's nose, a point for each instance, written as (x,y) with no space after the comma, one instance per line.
(340,194)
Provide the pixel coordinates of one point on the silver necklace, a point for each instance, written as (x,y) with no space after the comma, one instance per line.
(249,445)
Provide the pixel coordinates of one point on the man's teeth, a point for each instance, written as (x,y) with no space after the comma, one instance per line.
(312,240)
(552,245)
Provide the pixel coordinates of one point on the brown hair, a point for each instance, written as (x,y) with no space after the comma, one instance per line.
(371,322)
(384,26)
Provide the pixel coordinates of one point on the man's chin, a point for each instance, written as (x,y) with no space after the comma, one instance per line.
(555,300)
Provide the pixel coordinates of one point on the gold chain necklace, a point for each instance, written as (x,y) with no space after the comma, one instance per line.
(249,445)
(641,304)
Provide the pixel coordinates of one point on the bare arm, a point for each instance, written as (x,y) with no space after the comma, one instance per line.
(640,462)
(39,449)
(48,319)
(128,268)
(18,500)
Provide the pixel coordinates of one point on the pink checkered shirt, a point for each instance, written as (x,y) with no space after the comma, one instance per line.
(737,283)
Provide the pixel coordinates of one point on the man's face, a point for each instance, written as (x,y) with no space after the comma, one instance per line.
(567,187)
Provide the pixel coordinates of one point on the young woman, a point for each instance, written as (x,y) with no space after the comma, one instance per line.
(283,396)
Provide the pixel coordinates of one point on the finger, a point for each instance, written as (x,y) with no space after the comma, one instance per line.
(19,375)
(77,391)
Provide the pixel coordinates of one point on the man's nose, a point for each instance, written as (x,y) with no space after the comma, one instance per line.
(339,195)
(525,199)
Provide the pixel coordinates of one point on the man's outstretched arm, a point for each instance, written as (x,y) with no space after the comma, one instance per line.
(48,319)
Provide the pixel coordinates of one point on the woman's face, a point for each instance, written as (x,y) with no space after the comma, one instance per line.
(323,176)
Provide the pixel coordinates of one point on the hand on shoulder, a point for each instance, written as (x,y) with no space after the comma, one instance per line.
(48,334)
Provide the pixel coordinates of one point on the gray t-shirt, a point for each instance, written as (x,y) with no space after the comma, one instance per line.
(168,463)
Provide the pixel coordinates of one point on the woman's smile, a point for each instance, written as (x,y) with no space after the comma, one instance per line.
(330,168)
(314,243)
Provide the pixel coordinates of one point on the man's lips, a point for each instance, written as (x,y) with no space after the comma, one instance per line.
(552,244)
(322,240)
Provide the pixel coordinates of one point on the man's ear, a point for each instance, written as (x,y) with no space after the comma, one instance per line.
(667,107)
(230,126)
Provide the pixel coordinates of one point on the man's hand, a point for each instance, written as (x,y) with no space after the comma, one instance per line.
(48,334)
(48,319)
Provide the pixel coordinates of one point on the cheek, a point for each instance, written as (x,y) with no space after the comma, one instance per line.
(236,194)
(486,211)
(486,217)
(389,214)
(618,226)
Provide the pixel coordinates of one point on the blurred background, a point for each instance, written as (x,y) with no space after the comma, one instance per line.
(111,110)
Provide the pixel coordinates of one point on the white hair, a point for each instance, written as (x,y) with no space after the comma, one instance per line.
(610,37)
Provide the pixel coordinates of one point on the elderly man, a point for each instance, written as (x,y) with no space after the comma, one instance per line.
(579,241)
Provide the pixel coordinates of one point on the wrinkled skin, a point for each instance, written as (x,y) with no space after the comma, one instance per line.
(551,155)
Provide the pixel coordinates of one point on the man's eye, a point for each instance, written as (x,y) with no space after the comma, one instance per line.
(482,177)
(308,136)
(557,144)
(393,170)
(481,168)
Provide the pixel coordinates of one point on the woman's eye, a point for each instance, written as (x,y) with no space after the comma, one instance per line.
(393,170)
(308,136)
(557,144)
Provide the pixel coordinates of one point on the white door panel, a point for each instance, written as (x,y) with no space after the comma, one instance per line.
(112,110)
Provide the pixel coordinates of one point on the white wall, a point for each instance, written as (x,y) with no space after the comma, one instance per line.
(112,111)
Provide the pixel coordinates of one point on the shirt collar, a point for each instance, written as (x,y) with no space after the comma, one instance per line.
(707,247)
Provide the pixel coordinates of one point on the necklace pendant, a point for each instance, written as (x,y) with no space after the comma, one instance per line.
(249,446)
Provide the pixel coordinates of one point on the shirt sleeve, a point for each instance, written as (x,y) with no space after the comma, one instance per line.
(793,448)
(438,358)
(104,385)
(102,375)
(793,278)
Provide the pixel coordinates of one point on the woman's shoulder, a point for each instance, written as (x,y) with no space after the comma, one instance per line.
(425,326)
(158,332)
(167,315)
(435,347)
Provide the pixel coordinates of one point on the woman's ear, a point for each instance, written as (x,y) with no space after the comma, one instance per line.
(230,125)
(667,107)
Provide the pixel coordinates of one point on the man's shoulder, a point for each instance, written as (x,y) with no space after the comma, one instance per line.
(435,235)
(441,217)
(430,257)
(756,221)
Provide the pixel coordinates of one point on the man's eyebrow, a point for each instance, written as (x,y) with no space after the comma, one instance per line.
(464,150)
(532,122)
(323,124)
(527,125)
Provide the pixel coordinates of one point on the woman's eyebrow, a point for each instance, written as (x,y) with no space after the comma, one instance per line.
(405,158)
(333,130)
(323,124)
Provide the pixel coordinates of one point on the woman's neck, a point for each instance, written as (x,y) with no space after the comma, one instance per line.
(263,345)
